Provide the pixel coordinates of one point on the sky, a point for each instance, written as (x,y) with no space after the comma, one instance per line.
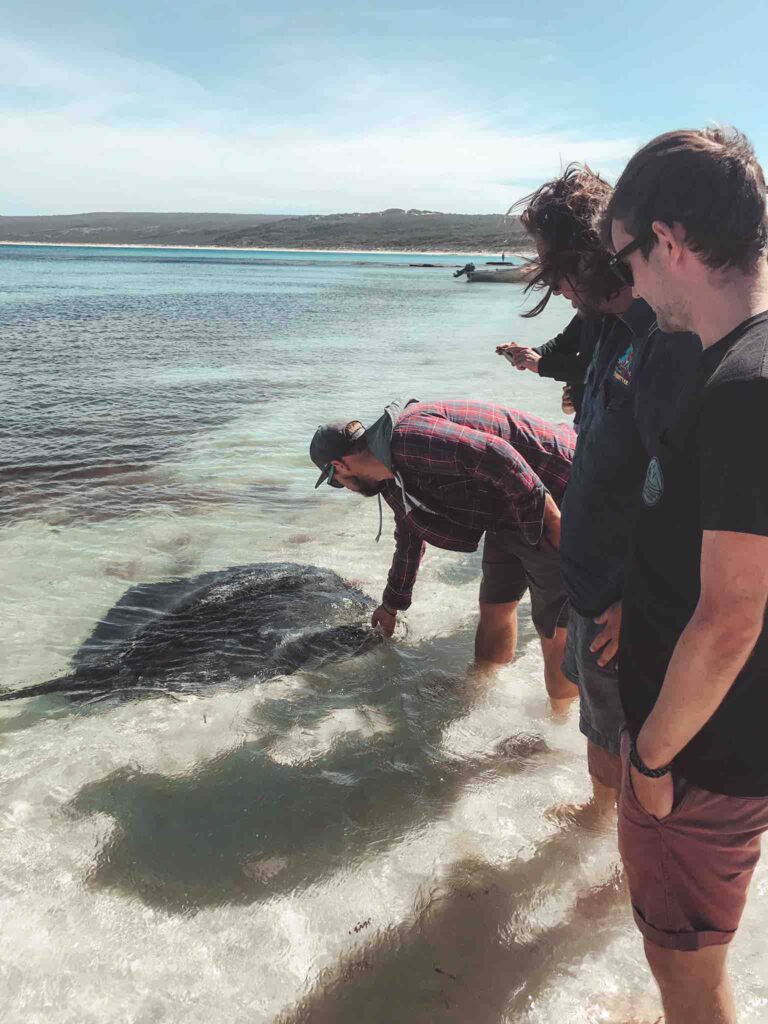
(288,108)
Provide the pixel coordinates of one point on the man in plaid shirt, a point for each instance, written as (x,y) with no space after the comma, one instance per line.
(452,471)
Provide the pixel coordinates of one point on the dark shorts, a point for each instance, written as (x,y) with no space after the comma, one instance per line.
(601,716)
(511,566)
(689,873)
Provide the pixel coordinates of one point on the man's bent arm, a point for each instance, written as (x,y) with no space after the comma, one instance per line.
(560,358)
(713,647)
(409,550)
(565,343)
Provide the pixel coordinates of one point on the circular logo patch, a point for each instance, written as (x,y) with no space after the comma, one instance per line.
(653,488)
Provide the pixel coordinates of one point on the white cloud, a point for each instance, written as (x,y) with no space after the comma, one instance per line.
(113,134)
(66,165)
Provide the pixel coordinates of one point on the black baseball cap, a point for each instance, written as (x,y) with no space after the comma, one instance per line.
(333,441)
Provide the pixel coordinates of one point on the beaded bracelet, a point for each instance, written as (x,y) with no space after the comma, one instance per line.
(639,765)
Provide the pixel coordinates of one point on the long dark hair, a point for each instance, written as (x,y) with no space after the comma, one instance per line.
(565,214)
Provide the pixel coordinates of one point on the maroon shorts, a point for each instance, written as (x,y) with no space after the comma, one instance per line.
(689,872)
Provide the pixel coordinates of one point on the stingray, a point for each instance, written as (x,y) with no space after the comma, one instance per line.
(243,624)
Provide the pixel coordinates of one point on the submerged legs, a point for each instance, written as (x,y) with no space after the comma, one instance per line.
(560,689)
(496,642)
(496,637)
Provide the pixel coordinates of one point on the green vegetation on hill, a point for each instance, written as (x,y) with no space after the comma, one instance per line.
(127,228)
(395,230)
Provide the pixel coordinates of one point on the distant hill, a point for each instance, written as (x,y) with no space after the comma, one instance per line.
(128,228)
(395,230)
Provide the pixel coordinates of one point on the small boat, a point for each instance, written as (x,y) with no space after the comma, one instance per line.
(507,275)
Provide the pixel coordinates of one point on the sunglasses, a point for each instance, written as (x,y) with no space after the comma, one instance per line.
(618,265)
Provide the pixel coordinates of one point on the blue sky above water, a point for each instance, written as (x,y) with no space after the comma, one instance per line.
(249,107)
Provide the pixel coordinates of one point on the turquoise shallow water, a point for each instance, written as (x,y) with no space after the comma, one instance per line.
(121,359)
(360,844)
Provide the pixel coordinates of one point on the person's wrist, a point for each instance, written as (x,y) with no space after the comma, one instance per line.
(388,610)
(645,751)
(651,768)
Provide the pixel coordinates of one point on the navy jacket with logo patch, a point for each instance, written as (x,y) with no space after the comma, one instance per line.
(638,382)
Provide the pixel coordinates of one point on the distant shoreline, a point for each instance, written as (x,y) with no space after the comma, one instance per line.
(244,248)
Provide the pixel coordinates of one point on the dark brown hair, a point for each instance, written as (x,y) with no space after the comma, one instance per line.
(707,181)
(565,214)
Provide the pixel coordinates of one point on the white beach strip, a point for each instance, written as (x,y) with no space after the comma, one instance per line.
(253,248)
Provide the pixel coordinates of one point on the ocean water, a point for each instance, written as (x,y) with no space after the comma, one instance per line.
(364,842)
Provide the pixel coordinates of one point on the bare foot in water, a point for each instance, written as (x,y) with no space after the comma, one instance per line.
(629,1008)
(560,708)
(590,815)
(642,1020)
(600,811)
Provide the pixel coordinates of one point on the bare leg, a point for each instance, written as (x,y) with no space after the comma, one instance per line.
(605,774)
(694,985)
(496,637)
(560,689)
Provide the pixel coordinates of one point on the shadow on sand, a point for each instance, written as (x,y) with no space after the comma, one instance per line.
(483,945)
(245,825)
(469,953)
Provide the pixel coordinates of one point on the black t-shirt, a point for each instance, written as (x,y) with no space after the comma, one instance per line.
(709,472)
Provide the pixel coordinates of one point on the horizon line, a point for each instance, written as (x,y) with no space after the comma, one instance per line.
(214,213)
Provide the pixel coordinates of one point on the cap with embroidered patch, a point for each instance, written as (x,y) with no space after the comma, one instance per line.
(333,441)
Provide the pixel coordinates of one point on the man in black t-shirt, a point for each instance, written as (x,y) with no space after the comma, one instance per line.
(688,223)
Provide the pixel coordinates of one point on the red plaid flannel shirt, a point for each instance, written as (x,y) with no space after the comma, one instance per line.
(476,466)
